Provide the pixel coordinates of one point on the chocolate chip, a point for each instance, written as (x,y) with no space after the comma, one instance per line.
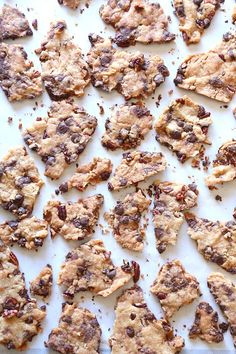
(62,128)
(13,224)
(124,37)
(62,214)
(23,181)
(202,112)
(161,296)
(104,176)
(75,138)
(136,269)
(216,82)
(123,181)
(130,332)
(132,316)
(192,138)
(175,134)
(180,11)
(119,209)
(110,273)
(63,188)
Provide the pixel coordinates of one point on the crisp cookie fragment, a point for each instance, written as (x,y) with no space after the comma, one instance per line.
(206,325)
(183,128)
(72,4)
(135,167)
(174,287)
(125,221)
(73,220)
(224,165)
(212,74)
(170,200)
(216,240)
(62,137)
(98,170)
(194,17)
(20,317)
(78,332)
(224,293)
(20,182)
(64,71)
(136,21)
(42,284)
(28,233)
(89,267)
(127,126)
(18,77)
(136,329)
(234,14)
(132,74)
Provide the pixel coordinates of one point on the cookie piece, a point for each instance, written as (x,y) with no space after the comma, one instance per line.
(194,17)
(133,75)
(73,220)
(28,233)
(216,240)
(174,287)
(62,137)
(212,74)
(135,167)
(206,325)
(72,4)
(224,165)
(170,200)
(42,284)
(98,170)
(64,71)
(234,14)
(136,21)
(127,126)
(136,329)
(125,221)
(20,316)
(20,182)
(89,267)
(224,293)
(18,77)
(183,128)
(78,332)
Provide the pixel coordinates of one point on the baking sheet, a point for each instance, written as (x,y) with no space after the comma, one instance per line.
(54,251)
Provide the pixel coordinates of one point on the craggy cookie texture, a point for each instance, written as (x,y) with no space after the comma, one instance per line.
(72,4)
(135,167)
(195,16)
(234,14)
(174,287)
(136,21)
(224,165)
(131,74)
(65,72)
(78,332)
(42,284)
(20,182)
(224,293)
(212,74)
(216,240)
(136,329)
(125,221)
(170,200)
(90,267)
(20,317)
(18,77)
(127,126)
(62,137)
(73,220)
(28,233)
(183,128)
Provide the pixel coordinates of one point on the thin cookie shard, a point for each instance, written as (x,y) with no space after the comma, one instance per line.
(62,137)
(132,74)
(89,267)
(206,326)
(135,167)
(125,221)
(234,14)
(64,71)
(170,201)
(20,316)
(72,4)
(174,287)
(136,21)
(212,74)
(183,128)
(127,126)
(194,17)
(216,240)
(224,293)
(78,332)
(136,329)
(73,220)
(42,284)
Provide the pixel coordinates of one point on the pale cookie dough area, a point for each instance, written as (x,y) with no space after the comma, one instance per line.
(42,284)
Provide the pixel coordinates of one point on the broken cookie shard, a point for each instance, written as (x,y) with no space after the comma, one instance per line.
(42,284)
(136,21)
(89,267)
(234,14)
(134,75)
(212,74)
(136,329)
(72,4)
(170,200)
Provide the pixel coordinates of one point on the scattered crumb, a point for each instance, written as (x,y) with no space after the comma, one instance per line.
(9,120)
(218,198)
(35,24)
(101,109)
(158,100)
